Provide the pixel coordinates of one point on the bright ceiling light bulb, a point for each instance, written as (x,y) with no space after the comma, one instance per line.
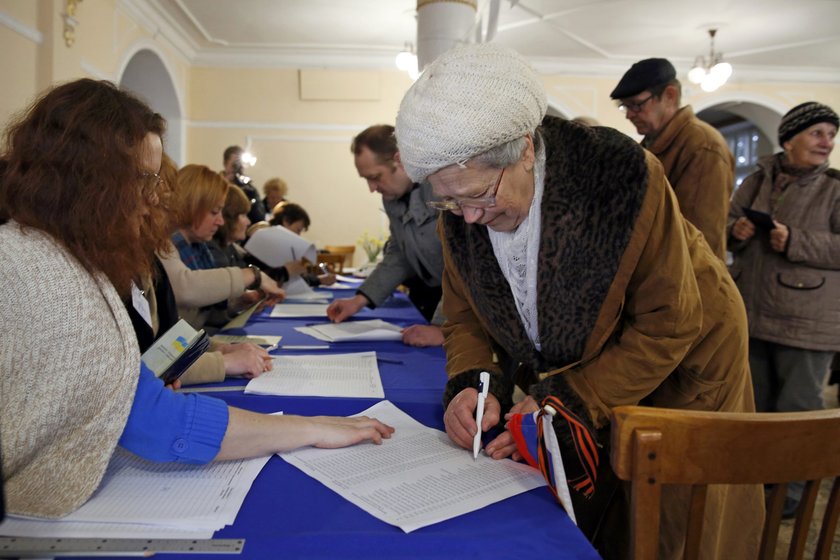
(722,70)
(696,75)
(248,159)
(710,83)
(404,60)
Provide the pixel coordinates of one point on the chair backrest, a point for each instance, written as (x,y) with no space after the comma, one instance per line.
(335,263)
(346,252)
(656,446)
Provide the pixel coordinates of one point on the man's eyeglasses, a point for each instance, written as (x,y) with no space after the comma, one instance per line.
(151,181)
(458,204)
(624,106)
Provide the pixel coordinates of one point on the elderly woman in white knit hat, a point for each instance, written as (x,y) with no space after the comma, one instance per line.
(567,259)
(784,234)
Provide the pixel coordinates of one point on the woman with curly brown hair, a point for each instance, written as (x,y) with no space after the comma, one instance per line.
(80,194)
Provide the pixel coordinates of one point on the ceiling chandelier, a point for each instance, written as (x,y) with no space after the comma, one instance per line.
(712,72)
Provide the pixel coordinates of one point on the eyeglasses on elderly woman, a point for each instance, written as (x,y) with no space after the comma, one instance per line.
(487,199)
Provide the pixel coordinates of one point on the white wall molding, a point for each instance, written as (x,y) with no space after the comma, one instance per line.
(278,126)
(20,28)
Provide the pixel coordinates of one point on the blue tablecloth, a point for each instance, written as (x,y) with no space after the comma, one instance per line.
(287,514)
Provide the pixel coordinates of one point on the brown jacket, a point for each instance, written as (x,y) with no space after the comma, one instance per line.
(633,308)
(792,298)
(701,170)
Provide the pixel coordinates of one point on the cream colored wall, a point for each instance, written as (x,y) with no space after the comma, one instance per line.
(306,142)
(302,138)
(33,54)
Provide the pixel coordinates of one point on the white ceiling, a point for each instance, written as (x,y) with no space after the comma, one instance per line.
(763,39)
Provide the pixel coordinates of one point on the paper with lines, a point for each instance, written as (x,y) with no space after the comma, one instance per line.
(416,478)
(353,375)
(138,498)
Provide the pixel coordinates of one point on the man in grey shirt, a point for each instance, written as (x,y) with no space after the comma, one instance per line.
(413,254)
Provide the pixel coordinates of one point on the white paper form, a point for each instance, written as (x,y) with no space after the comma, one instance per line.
(276,245)
(297,310)
(137,498)
(297,290)
(416,478)
(372,330)
(323,375)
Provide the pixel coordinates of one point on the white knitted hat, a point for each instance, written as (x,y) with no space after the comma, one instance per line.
(471,99)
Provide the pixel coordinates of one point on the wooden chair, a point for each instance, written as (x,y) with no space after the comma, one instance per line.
(335,263)
(346,252)
(655,446)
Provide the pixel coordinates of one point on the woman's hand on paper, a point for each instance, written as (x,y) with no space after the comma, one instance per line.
(271,290)
(245,360)
(422,335)
(336,431)
(459,417)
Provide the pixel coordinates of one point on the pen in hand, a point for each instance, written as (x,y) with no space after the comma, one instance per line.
(483,389)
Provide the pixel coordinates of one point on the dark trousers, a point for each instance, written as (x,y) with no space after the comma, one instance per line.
(425,298)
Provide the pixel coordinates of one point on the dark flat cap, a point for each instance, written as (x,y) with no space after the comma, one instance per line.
(645,74)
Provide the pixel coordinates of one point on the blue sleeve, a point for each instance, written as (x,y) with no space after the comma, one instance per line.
(164,426)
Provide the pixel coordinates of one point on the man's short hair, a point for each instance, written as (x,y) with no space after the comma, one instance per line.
(231,151)
(379,139)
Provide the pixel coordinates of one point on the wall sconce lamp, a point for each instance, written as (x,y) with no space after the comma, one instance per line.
(70,21)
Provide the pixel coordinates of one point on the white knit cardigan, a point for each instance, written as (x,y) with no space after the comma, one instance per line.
(69,365)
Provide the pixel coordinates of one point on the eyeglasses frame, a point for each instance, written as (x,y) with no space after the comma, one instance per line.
(458,205)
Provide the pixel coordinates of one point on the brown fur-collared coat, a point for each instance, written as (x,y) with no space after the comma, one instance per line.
(633,308)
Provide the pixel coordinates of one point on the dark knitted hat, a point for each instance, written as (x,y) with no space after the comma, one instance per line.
(645,74)
(804,115)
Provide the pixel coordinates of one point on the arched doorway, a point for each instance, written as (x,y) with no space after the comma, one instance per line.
(147,77)
(749,127)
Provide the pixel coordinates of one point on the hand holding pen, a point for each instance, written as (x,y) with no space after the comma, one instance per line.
(483,389)
(459,416)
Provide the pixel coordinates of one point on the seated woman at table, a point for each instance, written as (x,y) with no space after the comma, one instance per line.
(157,312)
(224,247)
(81,177)
(198,198)
(565,255)
(295,219)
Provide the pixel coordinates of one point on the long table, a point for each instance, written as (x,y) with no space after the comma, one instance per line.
(287,514)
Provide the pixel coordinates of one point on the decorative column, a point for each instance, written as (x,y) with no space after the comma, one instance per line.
(442,24)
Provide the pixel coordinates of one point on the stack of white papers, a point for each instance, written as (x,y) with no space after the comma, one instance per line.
(372,330)
(334,375)
(294,310)
(416,478)
(140,499)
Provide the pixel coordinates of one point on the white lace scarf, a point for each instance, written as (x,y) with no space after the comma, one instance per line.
(517,252)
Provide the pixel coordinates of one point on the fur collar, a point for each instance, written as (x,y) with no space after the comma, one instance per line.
(595,182)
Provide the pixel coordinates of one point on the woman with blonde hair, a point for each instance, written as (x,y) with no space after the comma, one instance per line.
(275,190)
(198,199)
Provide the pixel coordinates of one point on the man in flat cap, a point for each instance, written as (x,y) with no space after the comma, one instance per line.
(697,160)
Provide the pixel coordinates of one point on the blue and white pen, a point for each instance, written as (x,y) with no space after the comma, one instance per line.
(483,389)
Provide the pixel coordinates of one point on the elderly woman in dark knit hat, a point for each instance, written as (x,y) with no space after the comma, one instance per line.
(565,254)
(787,263)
